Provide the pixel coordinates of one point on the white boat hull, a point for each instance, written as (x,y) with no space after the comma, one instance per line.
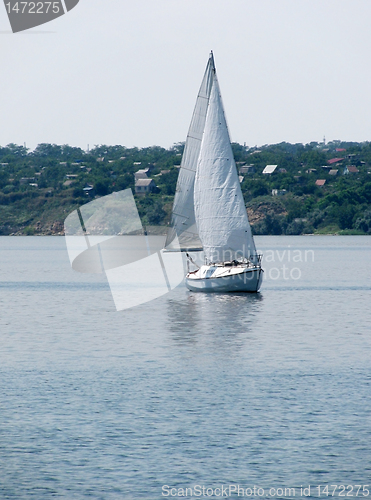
(236,280)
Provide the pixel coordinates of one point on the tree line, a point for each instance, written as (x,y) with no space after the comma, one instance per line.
(39,188)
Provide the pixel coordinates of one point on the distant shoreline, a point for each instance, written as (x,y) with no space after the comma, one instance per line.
(316,188)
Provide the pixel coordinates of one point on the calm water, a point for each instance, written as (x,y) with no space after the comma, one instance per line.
(271,390)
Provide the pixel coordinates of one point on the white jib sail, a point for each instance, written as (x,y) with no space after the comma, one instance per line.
(220,210)
(183,234)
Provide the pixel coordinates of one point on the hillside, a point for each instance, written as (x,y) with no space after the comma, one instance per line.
(308,191)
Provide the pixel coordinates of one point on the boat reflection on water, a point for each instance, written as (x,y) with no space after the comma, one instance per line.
(220,319)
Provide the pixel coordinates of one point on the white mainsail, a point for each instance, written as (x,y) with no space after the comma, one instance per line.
(220,211)
(183,233)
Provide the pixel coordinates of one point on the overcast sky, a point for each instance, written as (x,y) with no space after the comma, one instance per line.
(128,72)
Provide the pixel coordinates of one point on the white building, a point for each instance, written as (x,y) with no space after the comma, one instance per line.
(278,192)
(269,169)
(141,174)
(144,186)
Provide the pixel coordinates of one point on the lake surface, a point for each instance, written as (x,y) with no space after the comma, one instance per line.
(266,390)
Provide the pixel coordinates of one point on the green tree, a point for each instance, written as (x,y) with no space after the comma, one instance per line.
(48,150)
(102,187)
(156,214)
(346,215)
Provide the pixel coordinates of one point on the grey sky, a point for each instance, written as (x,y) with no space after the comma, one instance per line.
(127,72)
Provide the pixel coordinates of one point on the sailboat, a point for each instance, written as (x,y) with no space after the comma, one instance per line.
(209,212)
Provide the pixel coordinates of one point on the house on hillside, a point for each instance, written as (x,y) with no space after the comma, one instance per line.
(320,182)
(350,170)
(333,171)
(26,180)
(144,186)
(278,192)
(141,174)
(269,169)
(247,169)
(334,160)
(89,190)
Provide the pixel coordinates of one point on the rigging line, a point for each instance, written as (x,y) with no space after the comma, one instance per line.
(193,262)
(189,169)
(180,215)
(83,228)
(193,137)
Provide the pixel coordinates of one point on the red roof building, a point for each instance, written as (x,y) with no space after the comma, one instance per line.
(351,170)
(320,182)
(334,160)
